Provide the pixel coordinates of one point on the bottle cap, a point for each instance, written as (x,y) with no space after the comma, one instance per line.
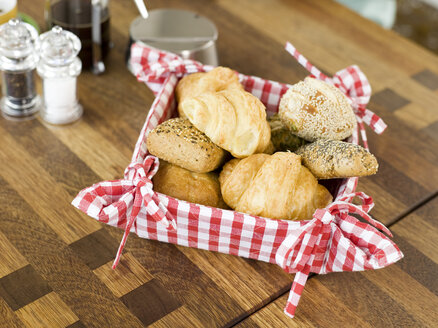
(17,39)
(59,47)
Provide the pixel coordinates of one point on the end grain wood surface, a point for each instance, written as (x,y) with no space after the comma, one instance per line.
(55,262)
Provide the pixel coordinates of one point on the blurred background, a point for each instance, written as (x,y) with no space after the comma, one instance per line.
(414,19)
(418,20)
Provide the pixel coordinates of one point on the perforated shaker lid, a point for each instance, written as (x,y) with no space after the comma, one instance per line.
(17,39)
(59,47)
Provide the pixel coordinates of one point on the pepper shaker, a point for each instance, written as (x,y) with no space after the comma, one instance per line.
(18,59)
(59,67)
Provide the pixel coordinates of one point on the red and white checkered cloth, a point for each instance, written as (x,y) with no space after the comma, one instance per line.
(332,241)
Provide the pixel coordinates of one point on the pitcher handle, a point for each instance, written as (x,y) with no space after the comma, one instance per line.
(96,33)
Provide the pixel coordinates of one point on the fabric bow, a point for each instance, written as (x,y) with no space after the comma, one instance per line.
(333,233)
(141,176)
(120,201)
(153,67)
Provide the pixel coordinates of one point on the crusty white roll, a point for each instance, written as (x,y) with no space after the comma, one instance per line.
(313,109)
(233,119)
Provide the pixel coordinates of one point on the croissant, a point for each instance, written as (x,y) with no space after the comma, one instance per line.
(274,186)
(233,119)
(193,85)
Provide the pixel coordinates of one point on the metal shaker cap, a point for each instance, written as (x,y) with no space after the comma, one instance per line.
(17,39)
(59,47)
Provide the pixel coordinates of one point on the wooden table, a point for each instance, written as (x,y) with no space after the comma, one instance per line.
(55,261)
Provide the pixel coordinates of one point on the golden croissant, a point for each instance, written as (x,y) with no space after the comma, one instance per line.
(193,85)
(274,186)
(233,119)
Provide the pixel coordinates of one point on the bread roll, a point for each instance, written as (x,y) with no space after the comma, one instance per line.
(281,137)
(179,142)
(233,119)
(313,109)
(193,85)
(274,186)
(199,188)
(270,149)
(328,159)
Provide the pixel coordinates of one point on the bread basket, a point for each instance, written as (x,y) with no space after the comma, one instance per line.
(334,240)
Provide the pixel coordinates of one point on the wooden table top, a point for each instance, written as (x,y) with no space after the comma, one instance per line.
(55,262)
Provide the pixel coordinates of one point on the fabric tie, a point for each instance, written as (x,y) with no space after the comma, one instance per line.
(177,66)
(159,65)
(110,201)
(308,248)
(141,176)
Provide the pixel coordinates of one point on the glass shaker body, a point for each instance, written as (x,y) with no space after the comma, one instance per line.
(18,59)
(59,68)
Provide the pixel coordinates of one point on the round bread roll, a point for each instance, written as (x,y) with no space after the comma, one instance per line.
(179,142)
(281,137)
(198,188)
(313,109)
(329,159)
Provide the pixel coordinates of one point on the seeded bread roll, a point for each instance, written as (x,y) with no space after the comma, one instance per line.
(179,142)
(313,109)
(199,188)
(328,159)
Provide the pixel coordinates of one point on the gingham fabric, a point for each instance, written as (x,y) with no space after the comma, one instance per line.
(332,241)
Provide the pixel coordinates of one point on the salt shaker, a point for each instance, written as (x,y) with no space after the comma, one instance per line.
(59,67)
(18,59)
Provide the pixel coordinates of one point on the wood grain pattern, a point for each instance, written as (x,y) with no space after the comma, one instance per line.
(49,202)
(22,287)
(319,307)
(195,285)
(9,318)
(427,78)
(96,249)
(129,275)
(47,311)
(418,117)
(179,317)
(402,295)
(10,259)
(150,302)
(55,262)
